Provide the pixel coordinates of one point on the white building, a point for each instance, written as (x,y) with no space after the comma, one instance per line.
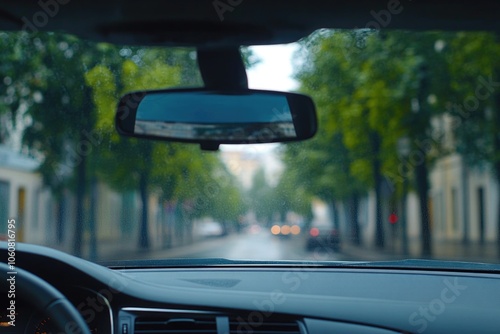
(20,193)
(464,201)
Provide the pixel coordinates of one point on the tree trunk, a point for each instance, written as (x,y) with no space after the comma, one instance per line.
(497,172)
(335,215)
(421,175)
(179,223)
(81,169)
(80,197)
(92,220)
(355,230)
(144,230)
(61,204)
(377,175)
(147,152)
(404,218)
(496,164)
(496,146)
(498,222)
(421,172)
(465,201)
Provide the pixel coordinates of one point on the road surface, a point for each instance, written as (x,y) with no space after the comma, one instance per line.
(246,246)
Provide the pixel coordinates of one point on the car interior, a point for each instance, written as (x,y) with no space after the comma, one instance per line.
(52,291)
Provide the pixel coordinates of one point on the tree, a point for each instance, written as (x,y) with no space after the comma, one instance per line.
(290,195)
(260,198)
(127,165)
(176,171)
(474,100)
(79,82)
(321,168)
(364,84)
(63,136)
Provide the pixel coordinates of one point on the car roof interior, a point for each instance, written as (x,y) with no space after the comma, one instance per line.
(218,23)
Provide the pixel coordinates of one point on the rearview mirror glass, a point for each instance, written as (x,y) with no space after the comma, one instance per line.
(220,117)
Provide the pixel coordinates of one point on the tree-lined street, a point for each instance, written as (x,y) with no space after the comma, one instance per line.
(374,91)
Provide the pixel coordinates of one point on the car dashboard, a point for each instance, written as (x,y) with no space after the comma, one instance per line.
(280,298)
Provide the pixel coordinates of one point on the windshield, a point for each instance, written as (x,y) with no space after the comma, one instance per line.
(405,163)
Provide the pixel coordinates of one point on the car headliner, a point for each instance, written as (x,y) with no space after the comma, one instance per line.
(238,22)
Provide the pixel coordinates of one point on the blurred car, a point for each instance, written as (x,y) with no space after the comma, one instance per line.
(324,238)
(254,229)
(211,229)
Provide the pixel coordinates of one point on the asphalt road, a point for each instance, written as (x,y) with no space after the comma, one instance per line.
(246,246)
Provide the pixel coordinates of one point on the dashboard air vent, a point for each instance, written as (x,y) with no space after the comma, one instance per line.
(176,324)
(273,325)
(153,321)
(137,320)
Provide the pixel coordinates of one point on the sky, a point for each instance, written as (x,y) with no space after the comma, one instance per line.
(273,72)
(275,69)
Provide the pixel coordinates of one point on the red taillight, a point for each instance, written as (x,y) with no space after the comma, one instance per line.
(314,232)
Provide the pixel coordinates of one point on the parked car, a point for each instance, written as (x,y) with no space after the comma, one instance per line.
(210,229)
(323,238)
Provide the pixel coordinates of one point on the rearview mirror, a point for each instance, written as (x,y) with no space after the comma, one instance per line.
(211,117)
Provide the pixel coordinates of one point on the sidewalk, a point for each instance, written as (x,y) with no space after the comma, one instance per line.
(441,250)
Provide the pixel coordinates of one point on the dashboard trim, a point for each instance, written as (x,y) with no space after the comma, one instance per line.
(166,310)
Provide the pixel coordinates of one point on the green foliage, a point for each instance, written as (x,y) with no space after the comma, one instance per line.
(65,90)
(260,198)
(178,172)
(473,97)
(271,203)
(370,88)
(363,86)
